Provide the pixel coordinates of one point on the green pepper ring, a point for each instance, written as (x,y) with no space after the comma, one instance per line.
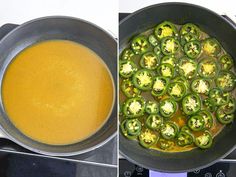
(210,76)
(221,118)
(188,46)
(231,75)
(174,104)
(187,136)
(164,45)
(165,80)
(209,143)
(143,143)
(149,54)
(198,101)
(194,86)
(127,54)
(172,125)
(124,132)
(226,62)
(182,92)
(197,118)
(149,120)
(165,23)
(135,80)
(140,45)
(126,93)
(167,65)
(187,29)
(134,68)
(181,72)
(149,111)
(127,103)
(208,119)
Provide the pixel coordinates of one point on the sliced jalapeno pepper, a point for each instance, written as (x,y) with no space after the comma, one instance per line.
(134,107)
(226,62)
(147,138)
(166,70)
(208,118)
(187,68)
(165,144)
(169,46)
(176,90)
(187,38)
(200,86)
(211,47)
(223,117)
(230,106)
(204,141)
(167,107)
(225,81)
(218,97)
(154,122)
(127,68)
(209,104)
(169,130)
(149,61)
(151,107)
(157,51)
(190,28)
(127,54)
(207,68)
(129,89)
(184,138)
(131,128)
(169,59)
(192,49)
(143,80)
(182,80)
(185,128)
(165,29)
(140,45)
(196,123)
(191,104)
(159,86)
(153,40)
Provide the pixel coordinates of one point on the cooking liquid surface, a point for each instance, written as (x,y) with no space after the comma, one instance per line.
(57,92)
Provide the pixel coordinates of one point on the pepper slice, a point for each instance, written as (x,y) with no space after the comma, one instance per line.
(149,61)
(165,29)
(159,86)
(211,47)
(169,59)
(207,68)
(154,122)
(140,45)
(196,123)
(185,128)
(129,89)
(166,70)
(209,104)
(167,107)
(157,51)
(190,28)
(218,97)
(143,80)
(191,104)
(134,107)
(127,54)
(192,49)
(226,62)
(147,138)
(230,106)
(153,40)
(169,130)
(169,46)
(204,141)
(184,138)
(176,90)
(151,107)
(127,68)
(187,68)
(131,128)
(208,118)
(223,117)
(182,80)
(165,144)
(200,86)
(187,38)
(225,81)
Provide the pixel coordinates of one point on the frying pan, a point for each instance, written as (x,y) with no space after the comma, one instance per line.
(66,28)
(214,25)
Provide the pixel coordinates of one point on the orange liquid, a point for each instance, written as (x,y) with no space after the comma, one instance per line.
(57,92)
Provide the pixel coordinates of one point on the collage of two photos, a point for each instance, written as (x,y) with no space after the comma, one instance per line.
(117,88)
